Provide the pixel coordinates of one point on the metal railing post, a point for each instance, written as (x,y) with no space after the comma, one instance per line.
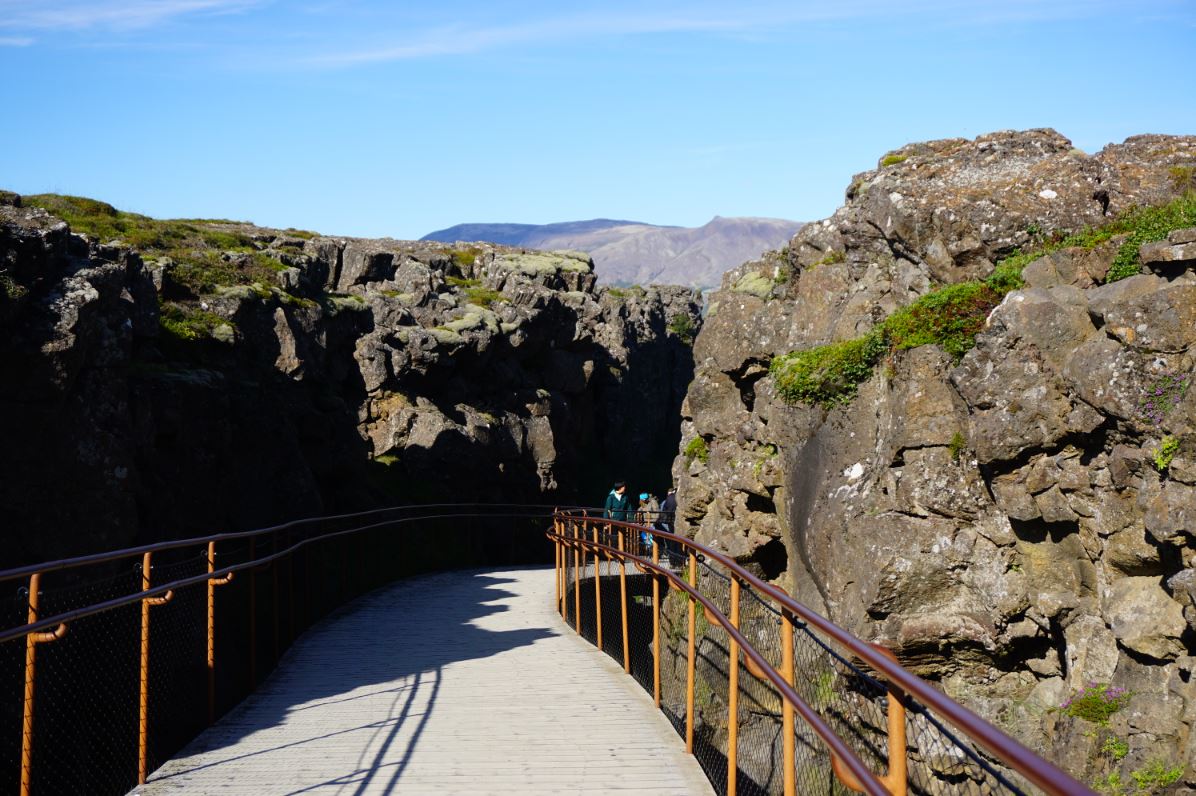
(143,668)
(896,780)
(556,561)
(733,697)
(212,584)
(623,603)
(576,576)
(789,739)
(690,654)
(252,617)
(598,587)
(656,627)
(31,642)
(274,595)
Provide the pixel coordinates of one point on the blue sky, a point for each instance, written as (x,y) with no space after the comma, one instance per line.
(367,117)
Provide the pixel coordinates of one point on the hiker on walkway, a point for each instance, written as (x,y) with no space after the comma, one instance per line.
(668,511)
(649,510)
(618,503)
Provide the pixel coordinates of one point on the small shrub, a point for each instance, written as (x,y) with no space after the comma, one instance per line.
(696,449)
(1165,453)
(957,445)
(1154,776)
(1096,702)
(682,326)
(893,160)
(1115,748)
(459,281)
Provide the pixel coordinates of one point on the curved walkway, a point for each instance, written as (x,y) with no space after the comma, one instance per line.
(463,682)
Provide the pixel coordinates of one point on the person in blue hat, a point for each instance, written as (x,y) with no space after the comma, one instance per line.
(646,514)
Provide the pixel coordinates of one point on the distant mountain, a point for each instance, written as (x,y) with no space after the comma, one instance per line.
(631,252)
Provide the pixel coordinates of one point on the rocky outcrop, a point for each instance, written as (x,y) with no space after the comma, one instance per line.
(145,397)
(1014,524)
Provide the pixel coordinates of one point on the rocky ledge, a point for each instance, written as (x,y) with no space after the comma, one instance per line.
(162,378)
(958,418)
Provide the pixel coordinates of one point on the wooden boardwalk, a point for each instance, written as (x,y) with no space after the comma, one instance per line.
(464,682)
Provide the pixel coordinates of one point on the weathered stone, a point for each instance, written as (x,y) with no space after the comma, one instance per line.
(1162,320)
(1172,512)
(1144,618)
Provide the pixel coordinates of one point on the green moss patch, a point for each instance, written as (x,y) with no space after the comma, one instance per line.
(188,324)
(206,256)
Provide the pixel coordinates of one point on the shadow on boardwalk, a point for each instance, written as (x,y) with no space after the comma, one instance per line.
(354,695)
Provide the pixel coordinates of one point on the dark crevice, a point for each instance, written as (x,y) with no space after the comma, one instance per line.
(772,559)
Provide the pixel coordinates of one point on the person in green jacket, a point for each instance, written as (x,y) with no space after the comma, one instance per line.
(618,504)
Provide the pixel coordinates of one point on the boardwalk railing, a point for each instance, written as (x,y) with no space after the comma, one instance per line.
(771,697)
(110,663)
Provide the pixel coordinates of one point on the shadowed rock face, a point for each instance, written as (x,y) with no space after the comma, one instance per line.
(372,372)
(1000,521)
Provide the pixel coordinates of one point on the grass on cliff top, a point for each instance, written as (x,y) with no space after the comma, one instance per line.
(951,316)
(196,247)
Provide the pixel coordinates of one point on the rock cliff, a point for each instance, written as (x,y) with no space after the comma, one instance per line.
(957,417)
(163,378)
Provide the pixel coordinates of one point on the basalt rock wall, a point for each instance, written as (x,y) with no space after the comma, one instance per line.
(1007,522)
(362,373)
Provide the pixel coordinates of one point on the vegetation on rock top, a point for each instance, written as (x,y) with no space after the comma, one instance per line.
(205,255)
(951,316)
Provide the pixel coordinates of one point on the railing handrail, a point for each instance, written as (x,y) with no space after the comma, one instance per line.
(73,615)
(820,727)
(1034,768)
(174,544)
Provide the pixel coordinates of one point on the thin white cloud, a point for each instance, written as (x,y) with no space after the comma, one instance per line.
(753,18)
(88,14)
(15,41)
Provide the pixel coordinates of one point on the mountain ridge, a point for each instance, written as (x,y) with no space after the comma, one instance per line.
(634,252)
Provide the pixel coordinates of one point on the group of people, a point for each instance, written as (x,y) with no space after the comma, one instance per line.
(648,511)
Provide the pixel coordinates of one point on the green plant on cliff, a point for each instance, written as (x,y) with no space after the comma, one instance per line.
(206,256)
(1183,178)
(1163,455)
(460,281)
(893,160)
(1146,225)
(951,316)
(1115,748)
(829,374)
(957,445)
(1156,775)
(696,449)
(465,257)
(11,290)
(1096,702)
(682,326)
(482,296)
(188,324)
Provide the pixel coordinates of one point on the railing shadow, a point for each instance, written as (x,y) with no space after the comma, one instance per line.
(407,634)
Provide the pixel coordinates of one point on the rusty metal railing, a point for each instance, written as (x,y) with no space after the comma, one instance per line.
(735,662)
(112,704)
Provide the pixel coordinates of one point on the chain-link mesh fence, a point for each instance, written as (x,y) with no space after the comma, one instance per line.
(99,717)
(847,693)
